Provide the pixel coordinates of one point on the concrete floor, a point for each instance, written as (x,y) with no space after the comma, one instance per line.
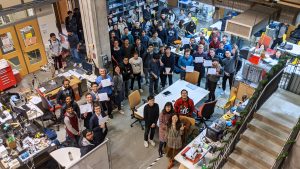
(127,148)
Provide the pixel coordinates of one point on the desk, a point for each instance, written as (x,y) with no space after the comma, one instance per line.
(62,157)
(37,113)
(216,25)
(196,95)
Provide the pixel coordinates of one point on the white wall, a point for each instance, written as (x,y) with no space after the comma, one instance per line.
(47,22)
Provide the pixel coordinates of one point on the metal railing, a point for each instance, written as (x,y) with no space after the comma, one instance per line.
(266,92)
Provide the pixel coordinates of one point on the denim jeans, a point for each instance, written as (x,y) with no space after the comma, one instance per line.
(153,84)
(75,55)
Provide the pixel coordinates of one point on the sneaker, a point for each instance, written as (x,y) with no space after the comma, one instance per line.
(111,116)
(121,111)
(75,64)
(79,65)
(146,144)
(141,90)
(116,109)
(56,72)
(152,143)
(62,70)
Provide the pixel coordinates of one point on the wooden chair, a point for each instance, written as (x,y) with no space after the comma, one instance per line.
(192,77)
(134,100)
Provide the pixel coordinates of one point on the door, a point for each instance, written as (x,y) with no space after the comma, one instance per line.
(31,44)
(10,50)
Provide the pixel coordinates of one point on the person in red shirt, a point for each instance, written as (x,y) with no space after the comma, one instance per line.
(184,106)
(72,126)
(215,43)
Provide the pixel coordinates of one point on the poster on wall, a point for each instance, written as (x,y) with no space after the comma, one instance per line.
(6,43)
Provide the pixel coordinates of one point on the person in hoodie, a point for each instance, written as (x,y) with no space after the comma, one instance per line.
(144,38)
(127,74)
(86,142)
(136,31)
(128,36)
(229,64)
(214,43)
(155,41)
(220,52)
(190,29)
(172,34)
(100,130)
(147,57)
(163,20)
(147,14)
(162,34)
(72,126)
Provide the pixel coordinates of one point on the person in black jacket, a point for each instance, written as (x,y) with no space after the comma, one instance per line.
(200,54)
(86,116)
(64,91)
(192,46)
(71,24)
(168,61)
(136,32)
(151,114)
(190,29)
(69,102)
(139,47)
(162,34)
(127,74)
(100,130)
(86,142)
(154,75)
(147,13)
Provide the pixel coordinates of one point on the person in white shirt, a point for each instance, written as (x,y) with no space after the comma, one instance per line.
(55,49)
(137,69)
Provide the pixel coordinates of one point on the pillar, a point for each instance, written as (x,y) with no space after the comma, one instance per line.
(95,28)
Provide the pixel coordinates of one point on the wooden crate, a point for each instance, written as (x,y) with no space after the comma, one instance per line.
(292,3)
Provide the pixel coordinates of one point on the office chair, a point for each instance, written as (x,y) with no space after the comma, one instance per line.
(134,100)
(205,111)
(48,108)
(192,77)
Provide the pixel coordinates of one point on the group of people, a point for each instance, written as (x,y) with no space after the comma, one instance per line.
(94,122)
(171,128)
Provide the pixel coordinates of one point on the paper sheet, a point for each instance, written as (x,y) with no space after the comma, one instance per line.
(42,89)
(35,100)
(103,96)
(207,63)
(198,59)
(212,71)
(85,108)
(189,69)
(103,120)
(168,69)
(105,82)
(185,41)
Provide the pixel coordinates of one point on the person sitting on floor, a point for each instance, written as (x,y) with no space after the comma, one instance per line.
(86,142)
(184,105)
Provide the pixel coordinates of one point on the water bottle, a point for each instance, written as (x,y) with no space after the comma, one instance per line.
(70,156)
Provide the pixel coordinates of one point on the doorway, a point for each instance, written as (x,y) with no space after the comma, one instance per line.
(22,46)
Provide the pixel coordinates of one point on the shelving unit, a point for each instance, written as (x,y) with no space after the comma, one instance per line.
(124,7)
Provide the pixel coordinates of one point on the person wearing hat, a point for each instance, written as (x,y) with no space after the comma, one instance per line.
(172,34)
(154,72)
(86,142)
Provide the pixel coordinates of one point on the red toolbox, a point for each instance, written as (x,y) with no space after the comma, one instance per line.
(7,78)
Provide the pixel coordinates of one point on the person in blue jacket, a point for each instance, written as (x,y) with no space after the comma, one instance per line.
(227,45)
(172,34)
(107,89)
(186,60)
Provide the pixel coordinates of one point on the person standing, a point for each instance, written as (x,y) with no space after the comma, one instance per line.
(229,64)
(127,49)
(94,91)
(55,49)
(144,39)
(64,91)
(127,74)
(172,34)
(74,48)
(184,106)
(118,88)
(128,36)
(184,61)
(220,52)
(139,47)
(214,43)
(71,24)
(168,61)
(105,89)
(137,70)
(136,31)
(164,119)
(154,72)
(147,58)
(116,53)
(162,34)
(227,45)
(72,126)
(69,102)
(156,42)
(190,29)
(151,114)
(147,14)
(86,116)
(212,80)
(174,142)
(99,130)
(192,46)
(200,54)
